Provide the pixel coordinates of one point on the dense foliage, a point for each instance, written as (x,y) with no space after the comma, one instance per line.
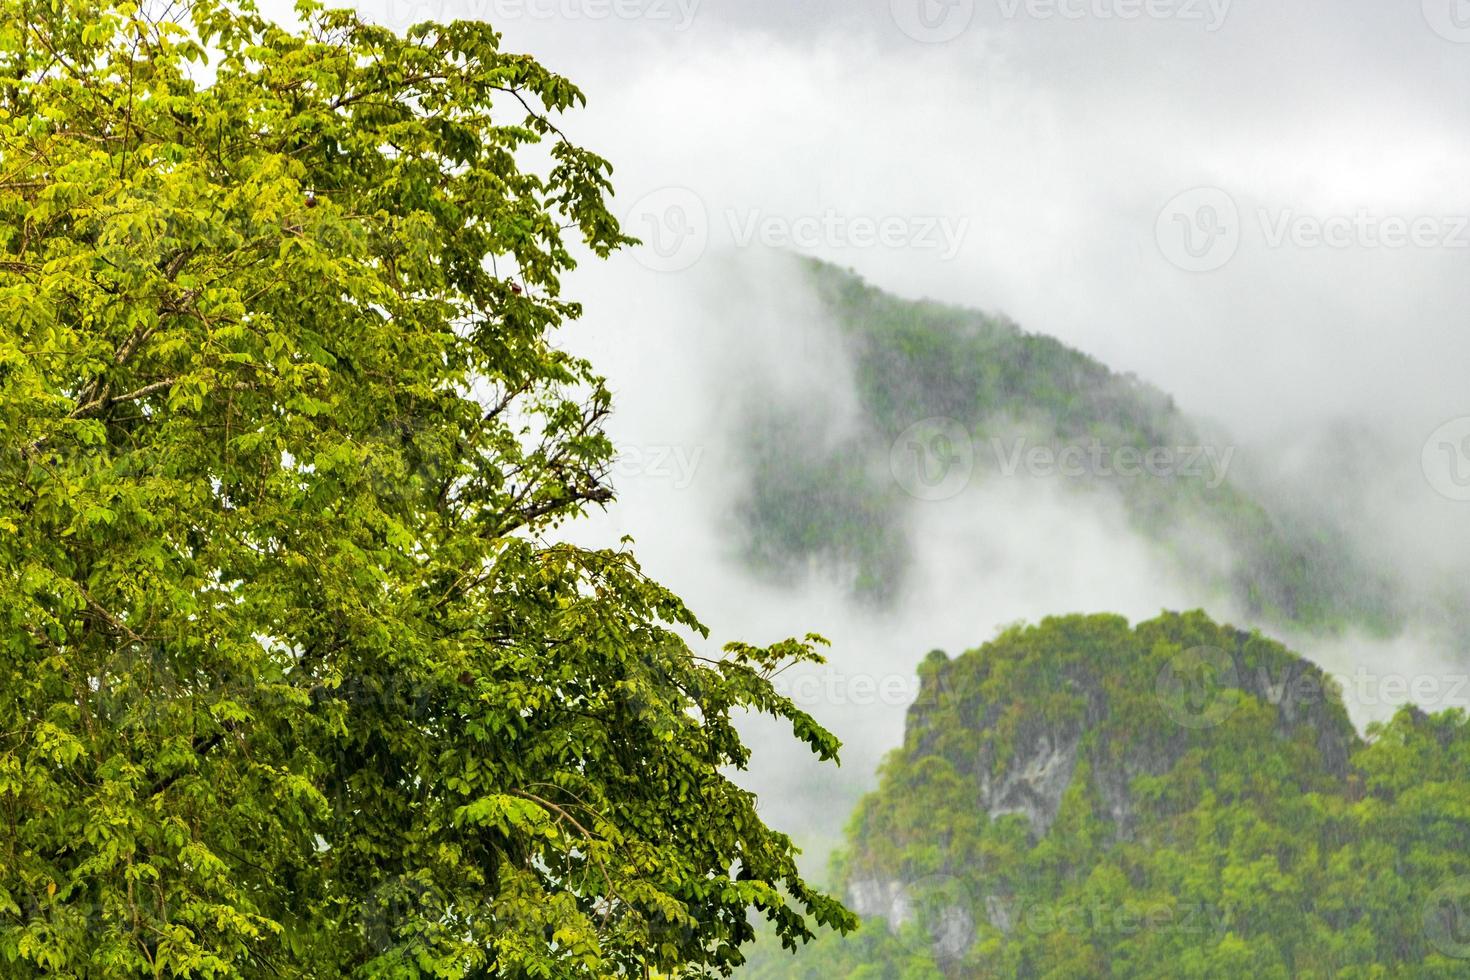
(839,505)
(293,680)
(1238,827)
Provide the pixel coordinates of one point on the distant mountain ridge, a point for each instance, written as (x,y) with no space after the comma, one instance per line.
(838,507)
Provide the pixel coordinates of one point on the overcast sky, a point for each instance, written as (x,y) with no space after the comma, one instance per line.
(1262,208)
(1055,134)
(1314,152)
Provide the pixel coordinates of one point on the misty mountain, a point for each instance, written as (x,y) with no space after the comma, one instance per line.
(1084,798)
(948,398)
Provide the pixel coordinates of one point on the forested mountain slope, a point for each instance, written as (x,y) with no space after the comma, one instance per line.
(1083,798)
(942,388)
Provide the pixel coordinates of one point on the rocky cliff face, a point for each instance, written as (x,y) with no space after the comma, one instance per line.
(1088,798)
(1074,722)
(1033,782)
(1027,759)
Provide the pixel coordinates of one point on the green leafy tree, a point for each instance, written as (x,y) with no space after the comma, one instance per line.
(296,680)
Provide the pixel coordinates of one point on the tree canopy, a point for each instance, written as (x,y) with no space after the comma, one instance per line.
(296,678)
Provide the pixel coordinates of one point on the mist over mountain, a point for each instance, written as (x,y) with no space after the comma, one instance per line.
(947,396)
(707,366)
(775,468)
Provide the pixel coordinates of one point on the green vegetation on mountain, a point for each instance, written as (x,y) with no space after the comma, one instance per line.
(296,678)
(839,506)
(1083,799)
